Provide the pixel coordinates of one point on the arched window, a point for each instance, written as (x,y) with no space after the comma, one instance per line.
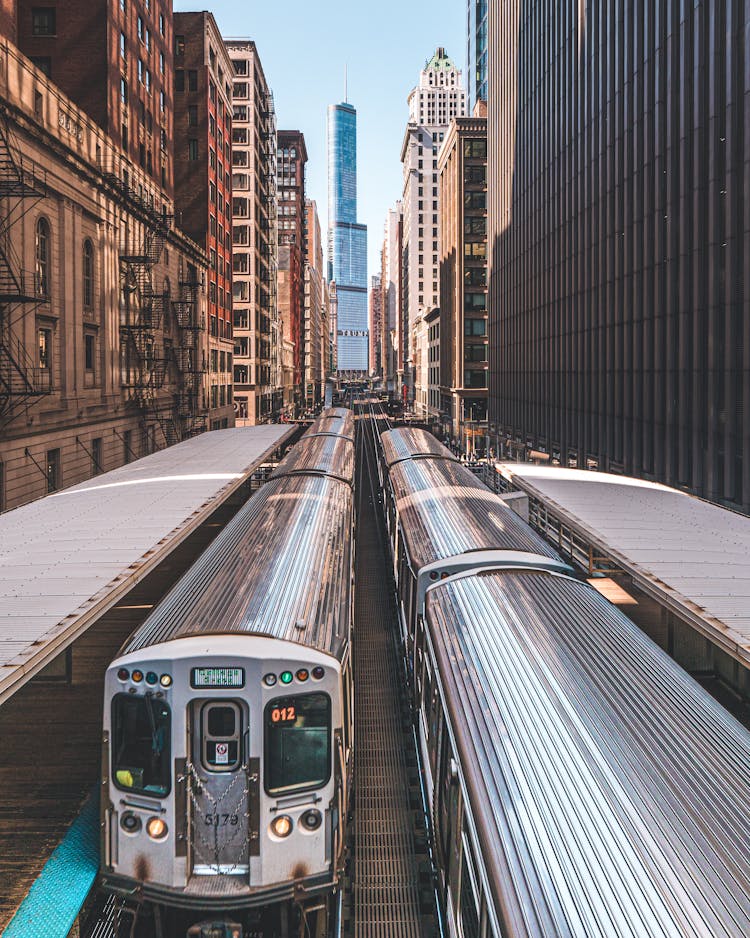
(42,248)
(88,274)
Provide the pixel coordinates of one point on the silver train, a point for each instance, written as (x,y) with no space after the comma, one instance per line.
(228,714)
(580,782)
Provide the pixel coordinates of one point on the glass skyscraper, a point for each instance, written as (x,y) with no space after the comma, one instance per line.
(347,241)
(477,25)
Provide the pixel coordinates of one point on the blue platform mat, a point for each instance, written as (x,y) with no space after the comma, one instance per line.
(55,899)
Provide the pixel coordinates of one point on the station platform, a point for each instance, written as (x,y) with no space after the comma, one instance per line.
(79,571)
(680,563)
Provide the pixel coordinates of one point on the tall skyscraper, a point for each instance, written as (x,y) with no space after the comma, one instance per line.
(477,18)
(390,283)
(347,240)
(618,238)
(433,103)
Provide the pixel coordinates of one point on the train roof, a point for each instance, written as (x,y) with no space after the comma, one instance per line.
(335,420)
(609,791)
(412,443)
(446,511)
(280,568)
(323,454)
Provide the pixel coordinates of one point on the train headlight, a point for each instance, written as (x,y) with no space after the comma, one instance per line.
(156,828)
(311,820)
(282,825)
(130,823)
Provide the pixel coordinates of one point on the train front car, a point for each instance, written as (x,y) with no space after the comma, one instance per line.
(228,727)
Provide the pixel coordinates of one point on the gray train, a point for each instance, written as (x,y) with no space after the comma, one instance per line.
(580,782)
(228,714)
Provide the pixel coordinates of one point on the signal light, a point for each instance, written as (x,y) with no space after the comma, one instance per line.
(166,680)
(287,677)
(302,675)
(269,680)
(123,674)
(137,677)
(282,825)
(152,677)
(318,673)
(156,828)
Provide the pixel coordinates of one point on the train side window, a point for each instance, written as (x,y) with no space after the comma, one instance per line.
(469,895)
(419,654)
(297,743)
(141,745)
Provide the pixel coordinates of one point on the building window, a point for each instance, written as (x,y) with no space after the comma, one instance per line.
(45,348)
(192,150)
(192,79)
(43,21)
(161,23)
(89,342)
(179,45)
(123,46)
(42,257)
(123,92)
(179,79)
(96,456)
(53,470)
(140,28)
(88,274)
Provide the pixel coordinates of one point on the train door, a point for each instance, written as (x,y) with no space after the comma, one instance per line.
(223,789)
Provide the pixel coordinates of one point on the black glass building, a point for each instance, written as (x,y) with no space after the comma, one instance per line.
(619,238)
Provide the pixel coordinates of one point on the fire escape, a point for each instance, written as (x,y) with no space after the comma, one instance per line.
(22,185)
(189,358)
(269,279)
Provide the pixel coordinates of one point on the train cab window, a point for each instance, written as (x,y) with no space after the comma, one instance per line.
(298,743)
(221,736)
(141,745)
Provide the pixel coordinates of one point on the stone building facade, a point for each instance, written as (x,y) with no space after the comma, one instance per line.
(101,303)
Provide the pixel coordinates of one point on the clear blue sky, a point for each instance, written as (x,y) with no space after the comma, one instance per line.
(304,46)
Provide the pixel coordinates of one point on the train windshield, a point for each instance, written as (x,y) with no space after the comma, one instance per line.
(298,743)
(141,734)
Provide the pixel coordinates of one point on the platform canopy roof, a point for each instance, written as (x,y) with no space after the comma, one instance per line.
(69,557)
(690,555)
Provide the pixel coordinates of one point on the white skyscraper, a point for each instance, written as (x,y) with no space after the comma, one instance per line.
(436,100)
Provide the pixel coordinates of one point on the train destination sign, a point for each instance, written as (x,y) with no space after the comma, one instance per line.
(217,677)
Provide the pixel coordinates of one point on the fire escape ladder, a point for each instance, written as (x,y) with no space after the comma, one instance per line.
(189,360)
(22,185)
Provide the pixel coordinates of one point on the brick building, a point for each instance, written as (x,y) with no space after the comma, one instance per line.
(114,60)
(463,280)
(203,185)
(291,160)
(257,342)
(99,298)
(316,325)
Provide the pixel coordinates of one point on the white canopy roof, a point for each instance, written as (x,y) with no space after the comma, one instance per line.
(67,558)
(687,553)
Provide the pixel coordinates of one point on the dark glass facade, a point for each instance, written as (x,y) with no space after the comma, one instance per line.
(347,240)
(619,237)
(477,23)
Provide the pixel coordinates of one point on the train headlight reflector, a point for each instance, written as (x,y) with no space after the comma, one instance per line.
(282,825)
(156,828)
(166,680)
(130,822)
(312,820)
(287,677)
(269,680)
(137,677)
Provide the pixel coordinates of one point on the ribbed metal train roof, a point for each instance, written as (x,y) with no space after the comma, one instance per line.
(411,442)
(611,792)
(282,561)
(446,511)
(337,420)
(323,454)
(69,557)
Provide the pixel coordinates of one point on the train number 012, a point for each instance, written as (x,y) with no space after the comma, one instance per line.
(284,715)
